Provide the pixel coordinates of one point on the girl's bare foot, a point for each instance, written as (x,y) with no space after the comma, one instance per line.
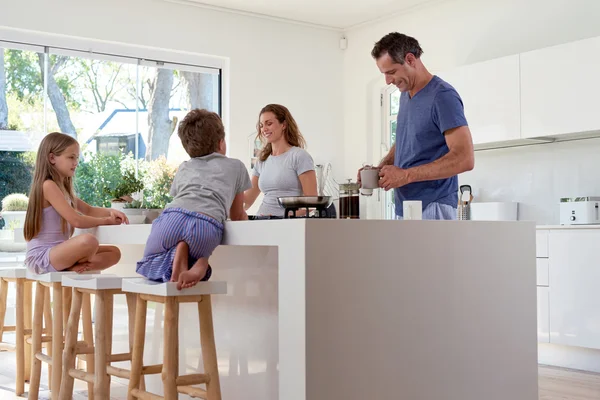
(180,261)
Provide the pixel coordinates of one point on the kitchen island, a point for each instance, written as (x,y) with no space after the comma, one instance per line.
(364,309)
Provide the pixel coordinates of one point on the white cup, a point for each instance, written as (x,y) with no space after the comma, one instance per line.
(412,209)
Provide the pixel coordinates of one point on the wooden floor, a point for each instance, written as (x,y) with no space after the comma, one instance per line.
(560,384)
(555,384)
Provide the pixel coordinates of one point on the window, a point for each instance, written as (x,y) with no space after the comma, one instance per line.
(390,107)
(124,112)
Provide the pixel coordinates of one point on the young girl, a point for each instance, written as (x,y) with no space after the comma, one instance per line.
(54,211)
(206,189)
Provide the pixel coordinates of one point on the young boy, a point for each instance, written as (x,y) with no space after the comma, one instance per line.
(206,189)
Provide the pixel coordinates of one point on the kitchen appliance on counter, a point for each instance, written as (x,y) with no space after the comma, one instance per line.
(495,211)
(320,204)
(315,207)
(463,211)
(349,200)
(579,210)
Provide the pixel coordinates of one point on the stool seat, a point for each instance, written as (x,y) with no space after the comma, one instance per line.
(93,282)
(169,289)
(13,273)
(54,277)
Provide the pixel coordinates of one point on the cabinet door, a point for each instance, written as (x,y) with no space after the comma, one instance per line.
(543,322)
(559,89)
(574,290)
(490,94)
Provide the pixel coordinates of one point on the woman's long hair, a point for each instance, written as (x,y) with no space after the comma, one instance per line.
(291,133)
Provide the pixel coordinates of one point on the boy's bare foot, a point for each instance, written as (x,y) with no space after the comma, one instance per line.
(190,278)
(180,261)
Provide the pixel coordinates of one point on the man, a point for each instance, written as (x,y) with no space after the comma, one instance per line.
(433,142)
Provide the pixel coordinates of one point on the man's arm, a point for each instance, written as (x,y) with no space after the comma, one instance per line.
(389,158)
(459,159)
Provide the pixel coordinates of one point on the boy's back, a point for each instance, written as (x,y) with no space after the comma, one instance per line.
(209,184)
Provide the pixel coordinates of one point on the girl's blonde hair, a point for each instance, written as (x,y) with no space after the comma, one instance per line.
(54,143)
(291,132)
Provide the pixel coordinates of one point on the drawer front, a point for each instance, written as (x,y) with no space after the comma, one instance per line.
(541,244)
(542,272)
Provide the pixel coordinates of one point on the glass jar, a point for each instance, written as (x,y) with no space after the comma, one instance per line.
(349,200)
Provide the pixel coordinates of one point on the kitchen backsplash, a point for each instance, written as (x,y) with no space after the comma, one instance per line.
(537,176)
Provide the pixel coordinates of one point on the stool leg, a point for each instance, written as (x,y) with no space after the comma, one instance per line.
(101,377)
(137,356)
(88,337)
(109,333)
(66,386)
(67,299)
(20,338)
(131,306)
(36,339)
(3,294)
(170,370)
(48,325)
(57,339)
(27,325)
(209,351)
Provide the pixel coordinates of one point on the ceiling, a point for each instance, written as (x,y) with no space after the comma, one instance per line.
(336,14)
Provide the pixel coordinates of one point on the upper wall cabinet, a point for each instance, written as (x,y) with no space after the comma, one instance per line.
(560,89)
(490,94)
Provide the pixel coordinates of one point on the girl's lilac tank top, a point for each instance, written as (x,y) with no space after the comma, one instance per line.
(51,232)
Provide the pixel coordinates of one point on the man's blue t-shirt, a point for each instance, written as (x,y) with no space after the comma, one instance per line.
(422,121)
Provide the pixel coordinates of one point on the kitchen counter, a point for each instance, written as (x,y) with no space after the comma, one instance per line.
(545,227)
(348,309)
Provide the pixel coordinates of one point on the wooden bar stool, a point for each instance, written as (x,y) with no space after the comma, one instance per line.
(16,273)
(104,288)
(174,383)
(60,306)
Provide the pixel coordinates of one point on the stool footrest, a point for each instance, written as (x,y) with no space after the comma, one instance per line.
(193,392)
(8,347)
(118,372)
(83,348)
(120,357)
(193,379)
(152,369)
(45,339)
(9,328)
(143,395)
(44,358)
(82,375)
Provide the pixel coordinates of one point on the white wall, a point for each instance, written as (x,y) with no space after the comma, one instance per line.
(537,176)
(459,32)
(271,62)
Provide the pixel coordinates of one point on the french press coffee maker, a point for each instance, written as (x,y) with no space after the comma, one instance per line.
(349,200)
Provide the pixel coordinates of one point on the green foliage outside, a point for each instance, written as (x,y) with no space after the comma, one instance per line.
(104,177)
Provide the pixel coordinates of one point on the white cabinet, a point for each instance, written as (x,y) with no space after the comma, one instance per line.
(543,321)
(541,243)
(575,287)
(559,89)
(490,94)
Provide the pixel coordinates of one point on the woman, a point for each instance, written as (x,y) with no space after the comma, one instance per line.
(283,168)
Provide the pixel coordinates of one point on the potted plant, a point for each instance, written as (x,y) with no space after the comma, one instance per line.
(122,193)
(14,208)
(135,211)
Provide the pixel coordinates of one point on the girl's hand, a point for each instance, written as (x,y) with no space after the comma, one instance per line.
(113,219)
(120,214)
